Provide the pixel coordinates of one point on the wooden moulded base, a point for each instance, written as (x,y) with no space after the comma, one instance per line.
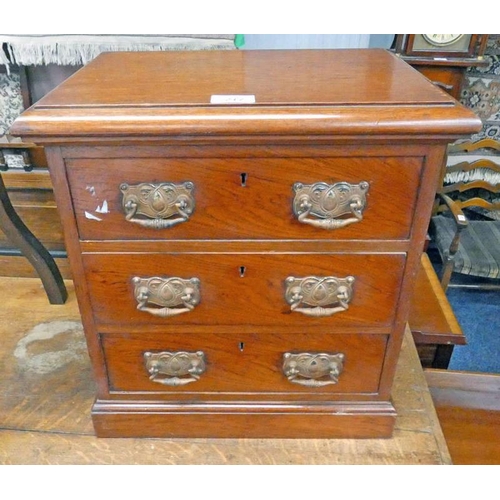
(243,420)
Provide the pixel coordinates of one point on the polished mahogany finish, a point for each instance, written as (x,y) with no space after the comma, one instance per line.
(245,269)
(448,78)
(264,186)
(315,77)
(240,289)
(240,364)
(342,92)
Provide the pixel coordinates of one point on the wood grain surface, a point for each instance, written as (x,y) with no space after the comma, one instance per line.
(432,320)
(327,109)
(122,82)
(257,298)
(376,94)
(244,363)
(448,78)
(260,209)
(45,412)
(14,266)
(468,406)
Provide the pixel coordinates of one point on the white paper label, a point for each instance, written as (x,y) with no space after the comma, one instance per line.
(461,218)
(90,216)
(232,99)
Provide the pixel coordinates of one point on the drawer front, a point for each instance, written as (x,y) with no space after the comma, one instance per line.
(266,198)
(334,290)
(174,363)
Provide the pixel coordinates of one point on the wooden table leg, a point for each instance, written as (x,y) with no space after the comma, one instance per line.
(17,232)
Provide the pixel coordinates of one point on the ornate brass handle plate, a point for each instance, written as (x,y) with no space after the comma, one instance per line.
(166,297)
(175,368)
(158,206)
(319,296)
(329,206)
(313,370)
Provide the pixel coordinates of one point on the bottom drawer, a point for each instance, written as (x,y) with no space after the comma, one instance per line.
(244,363)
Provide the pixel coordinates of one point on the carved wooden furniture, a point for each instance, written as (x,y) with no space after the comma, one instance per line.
(19,156)
(442,58)
(470,247)
(245,268)
(20,234)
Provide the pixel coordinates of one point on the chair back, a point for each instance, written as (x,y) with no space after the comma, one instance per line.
(475,181)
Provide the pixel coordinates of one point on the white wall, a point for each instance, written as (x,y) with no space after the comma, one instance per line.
(306,41)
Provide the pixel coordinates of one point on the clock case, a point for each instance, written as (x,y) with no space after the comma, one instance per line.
(409,46)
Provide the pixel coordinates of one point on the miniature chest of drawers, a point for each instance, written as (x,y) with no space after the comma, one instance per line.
(244,229)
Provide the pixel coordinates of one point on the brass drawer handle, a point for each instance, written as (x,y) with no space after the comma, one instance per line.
(313,370)
(158,206)
(165,297)
(443,85)
(319,296)
(175,368)
(329,206)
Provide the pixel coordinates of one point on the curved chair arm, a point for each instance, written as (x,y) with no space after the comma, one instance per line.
(458,215)
(461,224)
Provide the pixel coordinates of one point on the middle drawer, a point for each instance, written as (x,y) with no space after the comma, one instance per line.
(334,290)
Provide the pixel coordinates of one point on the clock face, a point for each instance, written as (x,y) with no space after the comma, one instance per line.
(433,47)
(442,40)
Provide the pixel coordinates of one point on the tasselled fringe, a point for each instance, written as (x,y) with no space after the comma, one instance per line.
(76,53)
(478,174)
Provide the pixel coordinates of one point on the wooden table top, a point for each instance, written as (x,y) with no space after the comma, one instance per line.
(340,92)
(47,391)
(328,77)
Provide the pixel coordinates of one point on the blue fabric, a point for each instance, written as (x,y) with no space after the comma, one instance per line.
(478,313)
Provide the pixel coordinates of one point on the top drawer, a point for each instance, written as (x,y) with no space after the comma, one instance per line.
(236,198)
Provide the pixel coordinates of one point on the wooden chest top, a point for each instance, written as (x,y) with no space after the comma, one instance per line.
(363,91)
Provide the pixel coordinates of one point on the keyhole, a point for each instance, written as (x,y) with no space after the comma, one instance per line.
(243,270)
(243,176)
(242,346)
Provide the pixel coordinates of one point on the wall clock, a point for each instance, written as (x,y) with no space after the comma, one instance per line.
(442,40)
(441,46)
(442,58)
